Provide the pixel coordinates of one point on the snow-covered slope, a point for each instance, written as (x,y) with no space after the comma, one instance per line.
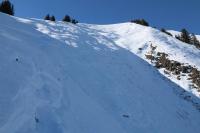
(138,39)
(133,38)
(64,78)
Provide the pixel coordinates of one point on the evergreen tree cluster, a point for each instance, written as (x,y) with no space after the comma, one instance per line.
(188,38)
(50,18)
(7,7)
(67,18)
(140,21)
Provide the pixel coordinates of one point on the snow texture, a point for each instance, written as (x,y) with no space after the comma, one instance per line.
(65,78)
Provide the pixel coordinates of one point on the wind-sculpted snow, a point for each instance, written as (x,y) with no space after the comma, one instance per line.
(64,78)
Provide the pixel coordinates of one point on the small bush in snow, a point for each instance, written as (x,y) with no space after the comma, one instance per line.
(164,31)
(74,21)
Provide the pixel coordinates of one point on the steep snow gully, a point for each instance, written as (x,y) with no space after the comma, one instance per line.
(65,78)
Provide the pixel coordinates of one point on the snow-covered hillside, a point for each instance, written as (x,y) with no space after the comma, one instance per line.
(138,39)
(65,78)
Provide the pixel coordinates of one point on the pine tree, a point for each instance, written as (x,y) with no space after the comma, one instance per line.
(67,18)
(47,17)
(52,18)
(185,36)
(144,22)
(195,41)
(7,7)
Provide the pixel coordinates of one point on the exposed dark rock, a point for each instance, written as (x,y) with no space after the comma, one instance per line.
(176,68)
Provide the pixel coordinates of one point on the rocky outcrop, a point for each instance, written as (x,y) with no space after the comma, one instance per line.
(161,60)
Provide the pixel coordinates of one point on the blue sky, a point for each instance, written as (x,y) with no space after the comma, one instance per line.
(170,14)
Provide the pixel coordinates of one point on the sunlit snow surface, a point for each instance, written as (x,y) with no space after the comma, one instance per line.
(65,78)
